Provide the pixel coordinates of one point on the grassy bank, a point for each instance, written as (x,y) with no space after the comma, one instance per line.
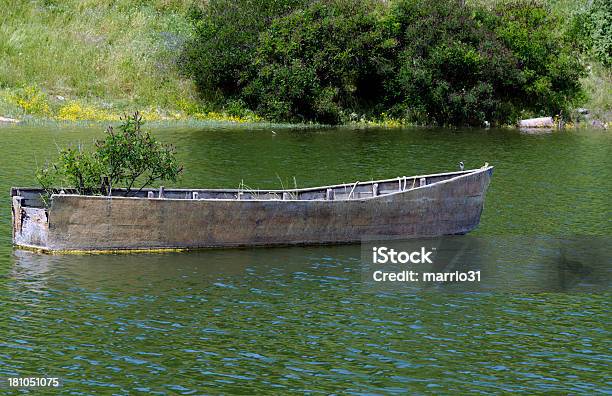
(34,103)
(123,51)
(71,61)
(91,60)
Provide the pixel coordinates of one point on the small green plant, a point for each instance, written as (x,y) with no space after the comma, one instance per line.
(75,169)
(127,157)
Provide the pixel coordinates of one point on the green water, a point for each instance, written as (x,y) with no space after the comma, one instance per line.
(299,320)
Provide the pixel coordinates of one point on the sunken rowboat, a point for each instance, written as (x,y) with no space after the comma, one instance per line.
(153,219)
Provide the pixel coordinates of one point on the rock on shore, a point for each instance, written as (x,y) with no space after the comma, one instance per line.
(6,119)
(541,122)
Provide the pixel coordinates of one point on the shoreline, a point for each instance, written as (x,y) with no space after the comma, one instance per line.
(46,110)
(230,122)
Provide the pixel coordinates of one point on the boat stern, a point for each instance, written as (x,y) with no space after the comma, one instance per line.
(30,223)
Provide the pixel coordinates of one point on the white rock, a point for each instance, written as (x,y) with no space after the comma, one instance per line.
(541,122)
(6,119)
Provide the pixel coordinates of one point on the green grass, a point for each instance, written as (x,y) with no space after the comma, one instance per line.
(122,51)
(561,7)
(74,60)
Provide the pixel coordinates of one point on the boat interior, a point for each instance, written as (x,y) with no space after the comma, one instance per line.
(33,197)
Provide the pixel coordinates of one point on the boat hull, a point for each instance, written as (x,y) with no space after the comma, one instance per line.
(98,223)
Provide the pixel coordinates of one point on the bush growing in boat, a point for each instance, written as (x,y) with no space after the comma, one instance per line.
(127,157)
(74,168)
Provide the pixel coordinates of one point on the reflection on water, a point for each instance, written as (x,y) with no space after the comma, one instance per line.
(301,319)
(136,272)
(509,264)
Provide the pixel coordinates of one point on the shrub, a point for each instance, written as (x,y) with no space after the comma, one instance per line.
(320,62)
(464,65)
(601,17)
(426,61)
(225,39)
(591,29)
(126,157)
(74,168)
(550,69)
(452,69)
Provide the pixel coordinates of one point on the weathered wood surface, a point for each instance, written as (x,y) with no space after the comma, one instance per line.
(31,227)
(451,206)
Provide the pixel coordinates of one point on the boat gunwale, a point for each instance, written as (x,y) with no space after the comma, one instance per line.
(458,175)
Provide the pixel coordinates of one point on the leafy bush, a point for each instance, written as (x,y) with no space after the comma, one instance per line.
(591,29)
(601,17)
(74,168)
(550,70)
(452,69)
(426,61)
(225,39)
(125,157)
(461,65)
(320,62)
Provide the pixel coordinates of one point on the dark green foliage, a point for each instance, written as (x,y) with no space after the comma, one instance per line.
(426,61)
(550,70)
(321,62)
(452,68)
(124,157)
(225,41)
(601,17)
(591,30)
(462,65)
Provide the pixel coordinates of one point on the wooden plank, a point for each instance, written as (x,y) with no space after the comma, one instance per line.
(17,218)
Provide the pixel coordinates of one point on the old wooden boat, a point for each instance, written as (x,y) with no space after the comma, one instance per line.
(424,205)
